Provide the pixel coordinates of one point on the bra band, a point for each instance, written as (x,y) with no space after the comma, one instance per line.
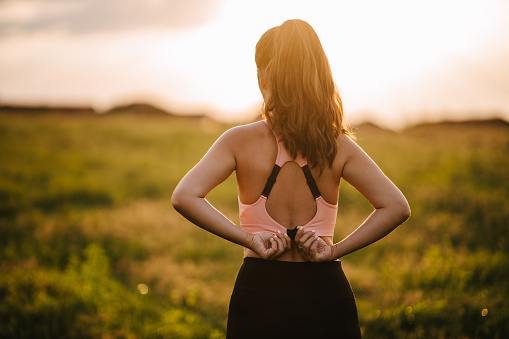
(292,233)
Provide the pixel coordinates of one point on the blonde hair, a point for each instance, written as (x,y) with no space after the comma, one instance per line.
(304,107)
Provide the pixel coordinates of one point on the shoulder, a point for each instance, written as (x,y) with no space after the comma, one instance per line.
(346,145)
(242,134)
(348,149)
(255,128)
(251,144)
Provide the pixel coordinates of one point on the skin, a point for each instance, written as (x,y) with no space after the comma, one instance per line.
(250,151)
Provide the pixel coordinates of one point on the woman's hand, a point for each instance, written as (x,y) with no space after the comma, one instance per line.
(269,245)
(313,248)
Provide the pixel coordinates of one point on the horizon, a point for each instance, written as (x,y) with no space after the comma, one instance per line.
(150,109)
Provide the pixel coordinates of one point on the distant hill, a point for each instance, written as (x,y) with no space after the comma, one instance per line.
(132,109)
(18,109)
(370,127)
(141,109)
(481,122)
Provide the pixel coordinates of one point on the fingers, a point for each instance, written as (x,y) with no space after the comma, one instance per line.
(304,240)
(310,246)
(299,234)
(287,242)
(283,242)
(279,243)
(307,246)
(268,252)
(318,250)
(312,250)
(314,246)
(304,237)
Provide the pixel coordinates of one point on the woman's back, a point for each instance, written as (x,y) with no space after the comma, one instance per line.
(291,202)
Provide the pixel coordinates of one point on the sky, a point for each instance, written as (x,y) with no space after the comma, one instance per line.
(396,62)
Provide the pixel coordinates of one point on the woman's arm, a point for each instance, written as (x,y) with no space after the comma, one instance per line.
(390,208)
(189,199)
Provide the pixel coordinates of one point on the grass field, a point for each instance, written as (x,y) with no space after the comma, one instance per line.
(91,247)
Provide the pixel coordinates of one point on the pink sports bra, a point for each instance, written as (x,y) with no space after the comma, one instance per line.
(254,218)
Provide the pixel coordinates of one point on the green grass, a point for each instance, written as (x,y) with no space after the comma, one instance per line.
(85,218)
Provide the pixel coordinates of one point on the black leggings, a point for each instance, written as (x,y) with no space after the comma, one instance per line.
(280,299)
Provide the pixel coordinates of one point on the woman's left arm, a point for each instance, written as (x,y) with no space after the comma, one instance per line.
(390,208)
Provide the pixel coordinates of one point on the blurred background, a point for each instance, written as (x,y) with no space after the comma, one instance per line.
(105,105)
(396,62)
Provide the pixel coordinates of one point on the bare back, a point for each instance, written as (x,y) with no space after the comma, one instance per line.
(290,203)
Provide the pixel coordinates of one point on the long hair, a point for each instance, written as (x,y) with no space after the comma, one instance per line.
(304,107)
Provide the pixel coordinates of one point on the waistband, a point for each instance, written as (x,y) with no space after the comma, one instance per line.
(291,264)
(292,280)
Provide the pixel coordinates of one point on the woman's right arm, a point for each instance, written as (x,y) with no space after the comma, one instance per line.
(189,199)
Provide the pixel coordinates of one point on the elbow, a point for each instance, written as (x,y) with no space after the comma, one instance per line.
(184,199)
(178,200)
(399,210)
(404,210)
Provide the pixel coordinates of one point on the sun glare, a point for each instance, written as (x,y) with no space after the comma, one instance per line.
(376,50)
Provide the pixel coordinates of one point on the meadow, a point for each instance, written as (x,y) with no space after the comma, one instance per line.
(90,246)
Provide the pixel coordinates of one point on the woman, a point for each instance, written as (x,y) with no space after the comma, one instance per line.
(291,283)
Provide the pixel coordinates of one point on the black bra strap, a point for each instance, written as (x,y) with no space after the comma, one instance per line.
(271,181)
(309,179)
(311,182)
